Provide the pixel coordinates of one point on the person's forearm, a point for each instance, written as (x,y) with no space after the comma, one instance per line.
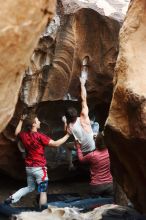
(83,92)
(65,126)
(19,127)
(61,141)
(80,155)
(65,122)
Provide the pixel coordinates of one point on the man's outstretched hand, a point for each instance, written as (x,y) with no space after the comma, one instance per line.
(64,120)
(23,117)
(69,131)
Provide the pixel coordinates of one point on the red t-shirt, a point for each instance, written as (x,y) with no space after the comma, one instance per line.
(99,166)
(34,144)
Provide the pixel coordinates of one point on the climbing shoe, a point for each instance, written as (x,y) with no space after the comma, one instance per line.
(8,201)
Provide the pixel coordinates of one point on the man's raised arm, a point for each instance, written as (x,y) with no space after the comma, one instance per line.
(85,110)
(19,126)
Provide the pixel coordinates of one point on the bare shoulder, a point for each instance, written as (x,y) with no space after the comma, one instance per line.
(85,122)
(84,118)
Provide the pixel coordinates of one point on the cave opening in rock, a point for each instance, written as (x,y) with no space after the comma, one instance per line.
(53,74)
(42,59)
(63,178)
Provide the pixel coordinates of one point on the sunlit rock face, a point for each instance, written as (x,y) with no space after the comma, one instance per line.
(126,124)
(54,74)
(112,8)
(21,23)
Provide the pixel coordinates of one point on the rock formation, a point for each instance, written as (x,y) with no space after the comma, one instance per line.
(22,22)
(115,9)
(84,33)
(53,73)
(126,125)
(80,30)
(109,211)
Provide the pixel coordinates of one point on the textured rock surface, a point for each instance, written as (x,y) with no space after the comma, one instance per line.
(126,124)
(84,33)
(108,211)
(11,158)
(112,8)
(21,23)
(64,214)
(55,66)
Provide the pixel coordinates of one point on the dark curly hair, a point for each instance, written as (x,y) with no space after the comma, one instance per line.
(29,122)
(71,114)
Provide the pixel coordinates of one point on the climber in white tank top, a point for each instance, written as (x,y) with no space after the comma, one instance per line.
(84,137)
(80,127)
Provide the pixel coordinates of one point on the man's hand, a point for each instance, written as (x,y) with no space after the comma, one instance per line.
(64,119)
(23,117)
(19,126)
(68,131)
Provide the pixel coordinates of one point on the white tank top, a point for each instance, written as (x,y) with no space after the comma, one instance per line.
(85,138)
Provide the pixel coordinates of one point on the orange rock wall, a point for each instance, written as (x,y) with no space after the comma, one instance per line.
(21,23)
(126,124)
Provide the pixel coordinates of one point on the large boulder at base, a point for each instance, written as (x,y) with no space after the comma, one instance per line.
(101,213)
(21,23)
(126,125)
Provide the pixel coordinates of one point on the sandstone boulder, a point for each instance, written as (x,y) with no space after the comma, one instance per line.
(126,125)
(21,23)
(109,211)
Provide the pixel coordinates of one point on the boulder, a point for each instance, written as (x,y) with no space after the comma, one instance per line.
(126,124)
(21,23)
(104,212)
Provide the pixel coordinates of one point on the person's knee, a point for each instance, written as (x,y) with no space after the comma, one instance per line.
(43,186)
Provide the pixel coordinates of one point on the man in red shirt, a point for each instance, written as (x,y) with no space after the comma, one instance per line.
(34,144)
